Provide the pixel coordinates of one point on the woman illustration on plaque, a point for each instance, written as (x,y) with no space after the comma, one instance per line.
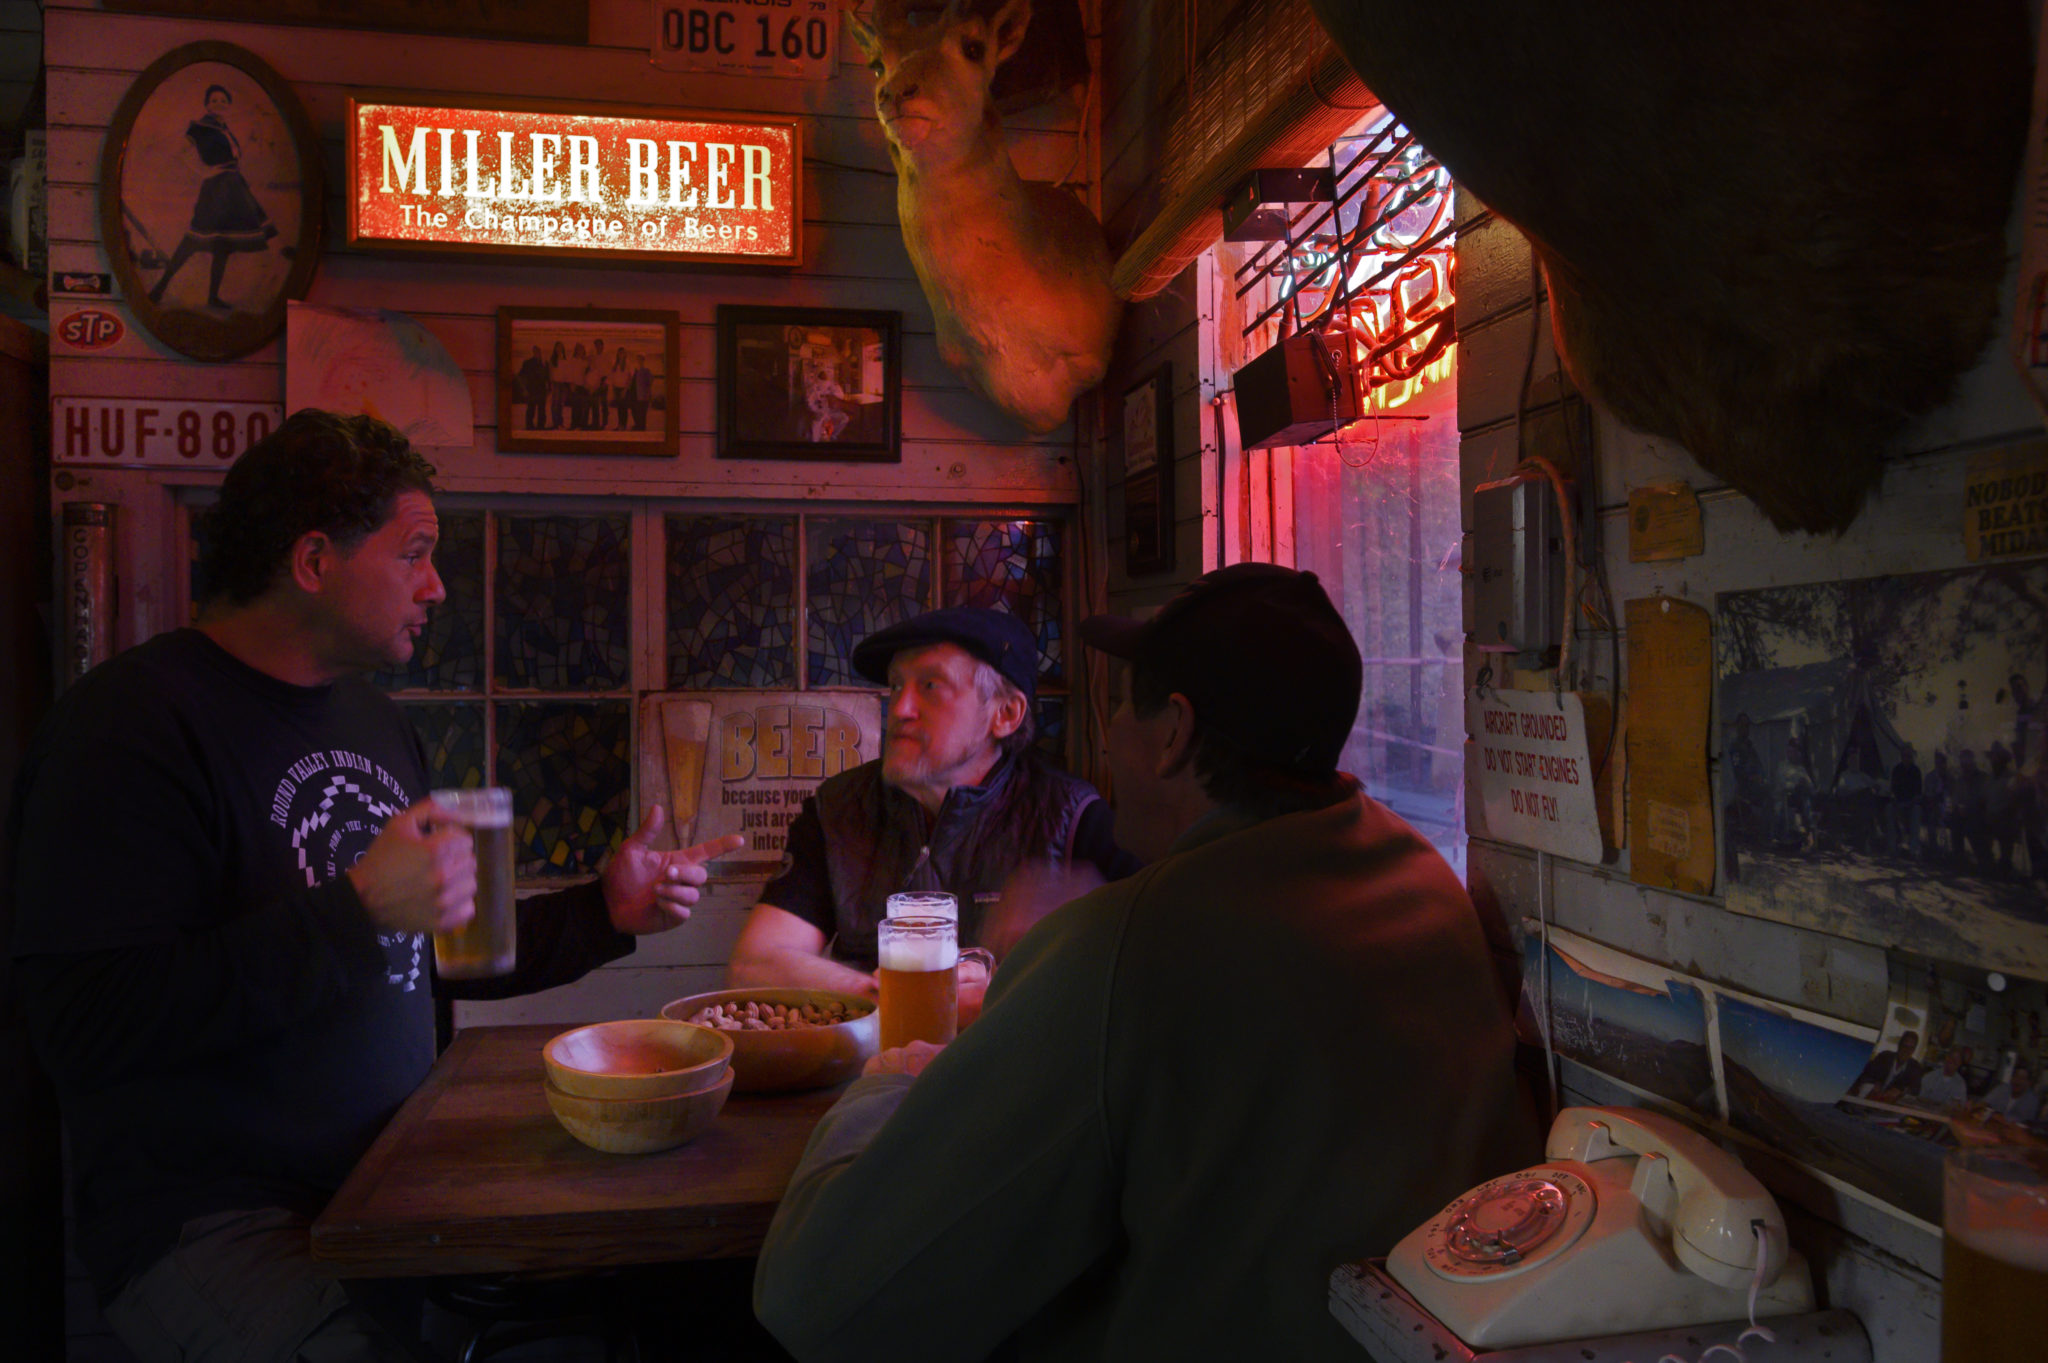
(226,218)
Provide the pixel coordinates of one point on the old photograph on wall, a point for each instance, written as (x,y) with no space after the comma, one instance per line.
(1884,760)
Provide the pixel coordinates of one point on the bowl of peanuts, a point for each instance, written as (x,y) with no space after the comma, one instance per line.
(785,1039)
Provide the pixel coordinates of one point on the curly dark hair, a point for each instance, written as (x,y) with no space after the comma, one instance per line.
(320,471)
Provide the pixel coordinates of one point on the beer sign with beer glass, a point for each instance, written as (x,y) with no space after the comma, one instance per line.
(487,944)
(919,974)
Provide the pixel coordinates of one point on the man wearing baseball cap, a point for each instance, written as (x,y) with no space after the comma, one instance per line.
(959,801)
(1196,1091)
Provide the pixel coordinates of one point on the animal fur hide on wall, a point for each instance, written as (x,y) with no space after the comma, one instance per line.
(1773,233)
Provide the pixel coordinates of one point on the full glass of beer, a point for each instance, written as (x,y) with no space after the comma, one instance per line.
(488,943)
(924,904)
(920,958)
(1994,1275)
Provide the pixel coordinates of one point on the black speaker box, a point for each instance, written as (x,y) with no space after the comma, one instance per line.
(1295,393)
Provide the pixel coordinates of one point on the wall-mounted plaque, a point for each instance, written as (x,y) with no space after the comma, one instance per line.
(797,41)
(210,192)
(560,181)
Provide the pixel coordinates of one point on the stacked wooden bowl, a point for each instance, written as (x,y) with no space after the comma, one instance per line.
(638,1085)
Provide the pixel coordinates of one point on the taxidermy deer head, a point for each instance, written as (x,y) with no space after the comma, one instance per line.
(1017,274)
(1772,233)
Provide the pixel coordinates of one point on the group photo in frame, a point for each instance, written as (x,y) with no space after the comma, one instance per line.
(210,200)
(587,381)
(1147,429)
(809,383)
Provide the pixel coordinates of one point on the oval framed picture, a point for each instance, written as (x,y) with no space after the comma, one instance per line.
(210,200)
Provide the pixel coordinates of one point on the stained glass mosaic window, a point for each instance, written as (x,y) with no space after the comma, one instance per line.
(569,765)
(863,575)
(1012,566)
(564,602)
(453,732)
(731,602)
(450,655)
(1051,738)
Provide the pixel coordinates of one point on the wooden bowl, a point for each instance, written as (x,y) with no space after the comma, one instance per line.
(796,1057)
(639,1126)
(636,1058)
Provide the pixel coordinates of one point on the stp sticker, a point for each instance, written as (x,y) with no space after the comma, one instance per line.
(90,329)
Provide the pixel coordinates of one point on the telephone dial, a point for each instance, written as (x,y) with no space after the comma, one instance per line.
(1633,1222)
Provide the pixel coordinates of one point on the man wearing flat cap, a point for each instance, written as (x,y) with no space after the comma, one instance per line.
(1196,1091)
(959,801)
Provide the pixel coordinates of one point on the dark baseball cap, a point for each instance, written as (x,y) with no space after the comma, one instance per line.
(996,637)
(1261,653)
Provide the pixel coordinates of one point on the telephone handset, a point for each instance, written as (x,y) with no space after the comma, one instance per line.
(1633,1222)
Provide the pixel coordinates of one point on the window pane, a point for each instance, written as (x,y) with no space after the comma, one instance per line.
(731,602)
(569,766)
(563,602)
(450,655)
(1380,535)
(1012,566)
(864,575)
(453,733)
(1052,728)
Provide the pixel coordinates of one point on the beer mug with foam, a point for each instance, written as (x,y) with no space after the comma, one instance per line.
(920,955)
(488,943)
(1994,1253)
(924,904)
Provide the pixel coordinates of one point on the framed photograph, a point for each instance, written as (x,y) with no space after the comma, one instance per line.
(810,383)
(1147,429)
(210,200)
(587,381)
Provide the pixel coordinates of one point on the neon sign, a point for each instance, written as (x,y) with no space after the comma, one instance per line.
(550,182)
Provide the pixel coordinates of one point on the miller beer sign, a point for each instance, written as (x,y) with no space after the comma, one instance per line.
(552,182)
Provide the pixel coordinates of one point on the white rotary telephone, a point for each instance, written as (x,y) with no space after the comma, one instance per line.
(1633,1222)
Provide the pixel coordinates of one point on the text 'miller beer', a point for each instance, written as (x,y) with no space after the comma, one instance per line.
(488,943)
(1994,1254)
(919,957)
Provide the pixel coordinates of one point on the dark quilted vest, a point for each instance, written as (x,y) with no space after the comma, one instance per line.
(876,843)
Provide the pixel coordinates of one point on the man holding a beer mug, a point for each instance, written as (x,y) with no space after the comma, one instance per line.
(959,802)
(226,868)
(1194,1092)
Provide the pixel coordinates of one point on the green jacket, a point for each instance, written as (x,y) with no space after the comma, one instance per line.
(1193,1093)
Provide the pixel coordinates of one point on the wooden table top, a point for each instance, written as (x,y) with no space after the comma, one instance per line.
(475,1175)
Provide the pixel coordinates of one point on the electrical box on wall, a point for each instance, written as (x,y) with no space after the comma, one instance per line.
(1516,561)
(1300,390)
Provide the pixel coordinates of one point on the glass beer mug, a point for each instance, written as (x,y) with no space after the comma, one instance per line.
(924,904)
(1994,1280)
(920,956)
(488,943)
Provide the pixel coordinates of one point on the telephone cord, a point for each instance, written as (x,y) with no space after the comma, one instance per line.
(1756,1285)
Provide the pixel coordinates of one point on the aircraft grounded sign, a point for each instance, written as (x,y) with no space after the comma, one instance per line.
(556,183)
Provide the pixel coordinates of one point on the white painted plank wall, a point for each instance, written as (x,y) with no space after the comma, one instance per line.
(1884,1269)
(958,452)
(955,445)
